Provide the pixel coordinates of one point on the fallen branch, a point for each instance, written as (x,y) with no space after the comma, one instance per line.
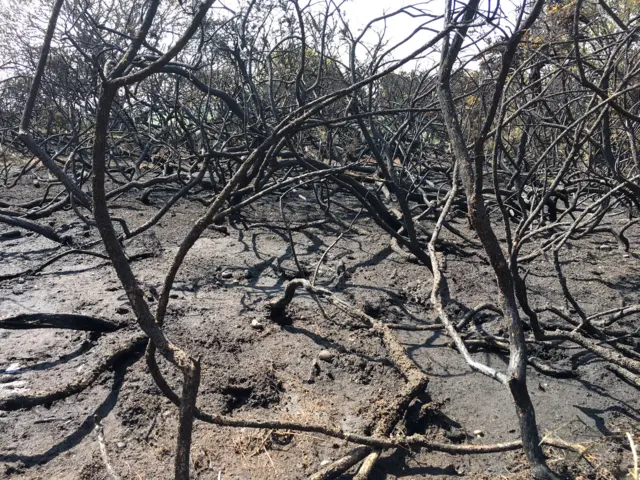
(396,351)
(473,312)
(75,251)
(293,228)
(103,452)
(391,415)
(412,441)
(341,465)
(117,355)
(440,293)
(415,328)
(625,374)
(66,321)
(608,354)
(45,231)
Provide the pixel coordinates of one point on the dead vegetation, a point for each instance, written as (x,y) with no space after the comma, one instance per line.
(507,149)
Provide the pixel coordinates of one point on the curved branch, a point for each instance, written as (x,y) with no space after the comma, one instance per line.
(117,355)
(43,230)
(66,321)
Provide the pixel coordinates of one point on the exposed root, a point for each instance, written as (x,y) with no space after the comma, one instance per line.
(608,354)
(626,375)
(55,258)
(103,452)
(393,413)
(416,380)
(415,328)
(293,228)
(474,311)
(612,316)
(43,230)
(491,343)
(412,441)
(396,351)
(365,469)
(341,465)
(67,321)
(406,256)
(549,370)
(75,251)
(16,402)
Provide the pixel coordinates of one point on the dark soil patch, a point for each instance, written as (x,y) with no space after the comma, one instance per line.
(267,372)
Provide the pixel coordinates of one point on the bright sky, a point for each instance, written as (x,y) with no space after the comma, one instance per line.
(359,12)
(397,28)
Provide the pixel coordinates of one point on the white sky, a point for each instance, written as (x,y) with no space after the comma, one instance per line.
(397,28)
(359,12)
